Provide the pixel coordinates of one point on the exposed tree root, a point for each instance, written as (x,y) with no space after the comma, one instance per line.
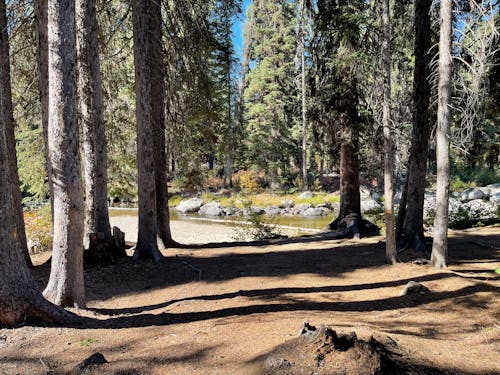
(415,242)
(352,226)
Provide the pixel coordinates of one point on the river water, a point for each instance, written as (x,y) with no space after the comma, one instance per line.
(196,229)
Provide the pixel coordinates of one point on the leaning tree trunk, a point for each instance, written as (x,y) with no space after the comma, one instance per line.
(157,70)
(10,125)
(390,235)
(66,284)
(440,243)
(43,85)
(413,228)
(92,122)
(147,237)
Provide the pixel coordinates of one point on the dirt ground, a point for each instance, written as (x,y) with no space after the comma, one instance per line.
(223,309)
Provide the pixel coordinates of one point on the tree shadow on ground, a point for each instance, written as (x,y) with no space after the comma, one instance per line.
(333,259)
(385,304)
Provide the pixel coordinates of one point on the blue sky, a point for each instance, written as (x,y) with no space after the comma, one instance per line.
(238,29)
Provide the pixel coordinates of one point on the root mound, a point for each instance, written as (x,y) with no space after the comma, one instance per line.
(324,351)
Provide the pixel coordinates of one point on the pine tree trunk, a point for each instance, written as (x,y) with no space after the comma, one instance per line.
(66,283)
(10,125)
(147,237)
(92,122)
(349,219)
(440,243)
(390,250)
(413,229)
(157,69)
(304,110)
(19,297)
(43,86)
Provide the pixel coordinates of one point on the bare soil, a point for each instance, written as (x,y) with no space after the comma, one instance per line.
(227,309)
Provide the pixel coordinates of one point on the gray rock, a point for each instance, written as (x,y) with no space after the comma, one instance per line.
(306,195)
(455,194)
(377,196)
(495,198)
(494,188)
(299,208)
(230,211)
(272,210)
(414,288)
(479,209)
(364,192)
(472,194)
(314,212)
(189,205)
(369,205)
(210,209)
(397,197)
(486,191)
(287,204)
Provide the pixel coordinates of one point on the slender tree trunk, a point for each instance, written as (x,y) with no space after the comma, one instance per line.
(302,50)
(10,125)
(440,243)
(66,283)
(388,146)
(157,69)
(147,238)
(304,109)
(92,122)
(43,86)
(413,229)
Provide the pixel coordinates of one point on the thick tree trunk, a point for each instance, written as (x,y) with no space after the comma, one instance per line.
(66,283)
(157,69)
(147,238)
(19,298)
(43,85)
(10,125)
(440,243)
(92,122)
(304,110)
(413,228)
(390,246)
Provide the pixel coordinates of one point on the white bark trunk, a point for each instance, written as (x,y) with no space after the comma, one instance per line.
(440,243)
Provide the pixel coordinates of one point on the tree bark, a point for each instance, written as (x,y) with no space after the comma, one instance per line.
(303,94)
(92,122)
(147,238)
(390,246)
(43,86)
(440,243)
(157,70)
(20,299)
(413,228)
(66,283)
(9,123)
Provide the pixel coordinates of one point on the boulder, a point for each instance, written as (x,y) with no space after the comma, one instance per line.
(486,191)
(377,196)
(272,210)
(495,198)
(189,205)
(494,188)
(314,212)
(369,205)
(210,209)
(299,208)
(230,211)
(479,209)
(414,288)
(472,194)
(306,195)
(287,204)
(397,197)
(364,192)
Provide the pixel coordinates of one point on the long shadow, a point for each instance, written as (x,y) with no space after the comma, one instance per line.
(391,303)
(128,277)
(273,293)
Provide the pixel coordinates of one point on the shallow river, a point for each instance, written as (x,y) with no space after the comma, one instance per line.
(198,229)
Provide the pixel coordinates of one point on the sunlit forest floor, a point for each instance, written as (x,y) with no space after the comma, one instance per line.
(222,309)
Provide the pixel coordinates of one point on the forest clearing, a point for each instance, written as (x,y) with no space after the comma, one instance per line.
(224,310)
